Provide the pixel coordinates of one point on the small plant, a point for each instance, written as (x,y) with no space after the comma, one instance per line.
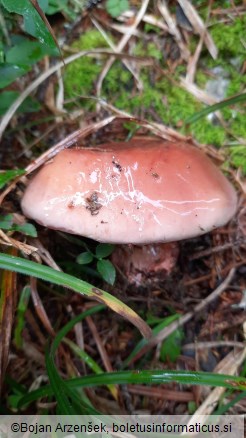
(18,52)
(116,7)
(105,268)
(8,175)
(171,347)
(7,223)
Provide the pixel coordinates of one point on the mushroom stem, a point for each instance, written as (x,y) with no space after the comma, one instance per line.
(142,264)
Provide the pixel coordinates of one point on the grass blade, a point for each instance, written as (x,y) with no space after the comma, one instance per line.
(59,389)
(60,337)
(215,107)
(145,376)
(168,320)
(91,363)
(27,267)
(69,401)
(20,317)
(160,376)
(221,410)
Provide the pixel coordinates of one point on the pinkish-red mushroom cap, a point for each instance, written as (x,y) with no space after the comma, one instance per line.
(137,192)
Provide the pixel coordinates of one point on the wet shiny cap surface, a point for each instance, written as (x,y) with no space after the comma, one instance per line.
(136,192)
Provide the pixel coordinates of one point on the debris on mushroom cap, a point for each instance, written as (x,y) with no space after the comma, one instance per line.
(136,192)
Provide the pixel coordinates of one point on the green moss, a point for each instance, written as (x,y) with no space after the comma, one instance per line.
(151,28)
(238,157)
(229,37)
(144,48)
(237,83)
(141,104)
(235,115)
(118,81)
(154,52)
(201,79)
(172,105)
(80,75)
(238,126)
(202,6)
(160,100)
(224,4)
(205,132)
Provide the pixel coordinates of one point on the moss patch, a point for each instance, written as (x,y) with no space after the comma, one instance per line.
(160,100)
(229,37)
(80,75)
(238,157)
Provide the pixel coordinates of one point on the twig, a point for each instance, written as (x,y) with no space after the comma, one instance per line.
(173,29)
(39,308)
(121,45)
(69,141)
(192,63)
(114,48)
(78,329)
(147,18)
(103,353)
(228,365)
(44,254)
(208,252)
(9,241)
(197,92)
(100,346)
(163,334)
(215,344)
(161,393)
(60,97)
(25,93)
(199,26)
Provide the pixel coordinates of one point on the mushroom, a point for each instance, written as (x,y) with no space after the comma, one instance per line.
(139,192)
